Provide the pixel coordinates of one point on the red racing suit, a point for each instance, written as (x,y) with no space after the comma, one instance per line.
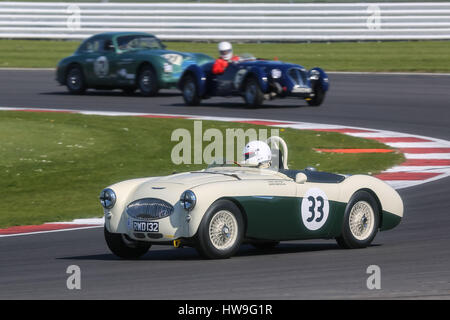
(221,64)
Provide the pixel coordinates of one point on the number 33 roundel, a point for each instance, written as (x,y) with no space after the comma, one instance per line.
(315,208)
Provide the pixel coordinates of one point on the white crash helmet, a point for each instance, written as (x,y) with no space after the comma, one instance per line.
(257,153)
(225,50)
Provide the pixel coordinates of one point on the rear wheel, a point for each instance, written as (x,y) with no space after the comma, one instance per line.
(124,247)
(253,94)
(361,221)
(75,80)
(189,88)
(221,231)
(319,96)
(147,82)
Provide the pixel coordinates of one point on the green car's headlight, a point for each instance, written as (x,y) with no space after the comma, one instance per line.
(188,200)
(108,198)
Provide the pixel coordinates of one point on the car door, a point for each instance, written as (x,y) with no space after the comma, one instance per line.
(224,83)
(99,61)
(319,211)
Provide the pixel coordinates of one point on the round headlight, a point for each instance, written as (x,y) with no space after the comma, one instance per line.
(275,73)
(188,200)
(314,75)
(108,198)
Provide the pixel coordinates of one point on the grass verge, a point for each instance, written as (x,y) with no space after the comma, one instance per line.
(54,165)
(402,56)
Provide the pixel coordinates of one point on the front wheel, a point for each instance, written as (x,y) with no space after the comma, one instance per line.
(189,88)
(124,247)
(221,231)
(75,80)
(361,221)
(319,96)
(253,94)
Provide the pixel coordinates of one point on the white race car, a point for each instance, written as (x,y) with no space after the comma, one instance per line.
(217,209)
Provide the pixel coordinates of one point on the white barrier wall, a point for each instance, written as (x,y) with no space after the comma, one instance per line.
(231,21)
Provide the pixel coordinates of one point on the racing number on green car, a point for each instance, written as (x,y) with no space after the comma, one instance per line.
(314,208)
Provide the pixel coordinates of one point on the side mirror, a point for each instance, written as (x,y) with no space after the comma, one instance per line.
(300,178)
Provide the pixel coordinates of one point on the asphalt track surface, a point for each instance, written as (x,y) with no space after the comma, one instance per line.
(414,258)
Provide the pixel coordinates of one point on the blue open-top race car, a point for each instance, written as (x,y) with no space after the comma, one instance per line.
(255,80)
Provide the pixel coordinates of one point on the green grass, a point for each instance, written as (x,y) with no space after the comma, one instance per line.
(406,56)
(54,165)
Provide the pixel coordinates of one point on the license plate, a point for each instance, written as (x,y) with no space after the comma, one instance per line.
(143,226)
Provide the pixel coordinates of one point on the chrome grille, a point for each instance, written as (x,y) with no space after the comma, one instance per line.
(149,209)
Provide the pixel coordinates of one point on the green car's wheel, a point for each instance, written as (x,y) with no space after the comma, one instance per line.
(147,82)
(265,245)
(75,80)
(221,231)
(253,94)
(124,247)
(361,221)
(319,96)
(190,91)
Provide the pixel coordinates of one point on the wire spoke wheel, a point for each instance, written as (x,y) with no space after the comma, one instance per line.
(223,230)
(361,220)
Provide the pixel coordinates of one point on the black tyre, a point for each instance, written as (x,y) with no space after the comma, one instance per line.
(361,221)
(265,245)
(75,82)
(147,82)
(253,94)
(221,231)
(319,96)
(189,88)
(124,247)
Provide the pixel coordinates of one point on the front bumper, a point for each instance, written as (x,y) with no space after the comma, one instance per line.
(170,228)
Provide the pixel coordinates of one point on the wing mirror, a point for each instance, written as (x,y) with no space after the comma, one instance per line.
(300,178)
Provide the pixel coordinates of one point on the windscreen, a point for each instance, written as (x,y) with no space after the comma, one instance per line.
(138,42)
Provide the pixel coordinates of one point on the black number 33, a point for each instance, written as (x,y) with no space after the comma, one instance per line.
(313,208)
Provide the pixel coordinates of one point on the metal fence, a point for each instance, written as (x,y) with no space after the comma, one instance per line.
(231,21)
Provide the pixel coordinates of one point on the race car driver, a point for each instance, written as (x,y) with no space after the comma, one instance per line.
(226,56)
(257,154)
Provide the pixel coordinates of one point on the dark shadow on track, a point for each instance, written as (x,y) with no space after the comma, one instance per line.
(237,105)
(191,254)
(107,93)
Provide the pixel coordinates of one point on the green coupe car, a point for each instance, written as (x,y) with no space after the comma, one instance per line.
(127,61)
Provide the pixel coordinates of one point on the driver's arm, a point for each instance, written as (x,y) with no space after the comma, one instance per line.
(219,66)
